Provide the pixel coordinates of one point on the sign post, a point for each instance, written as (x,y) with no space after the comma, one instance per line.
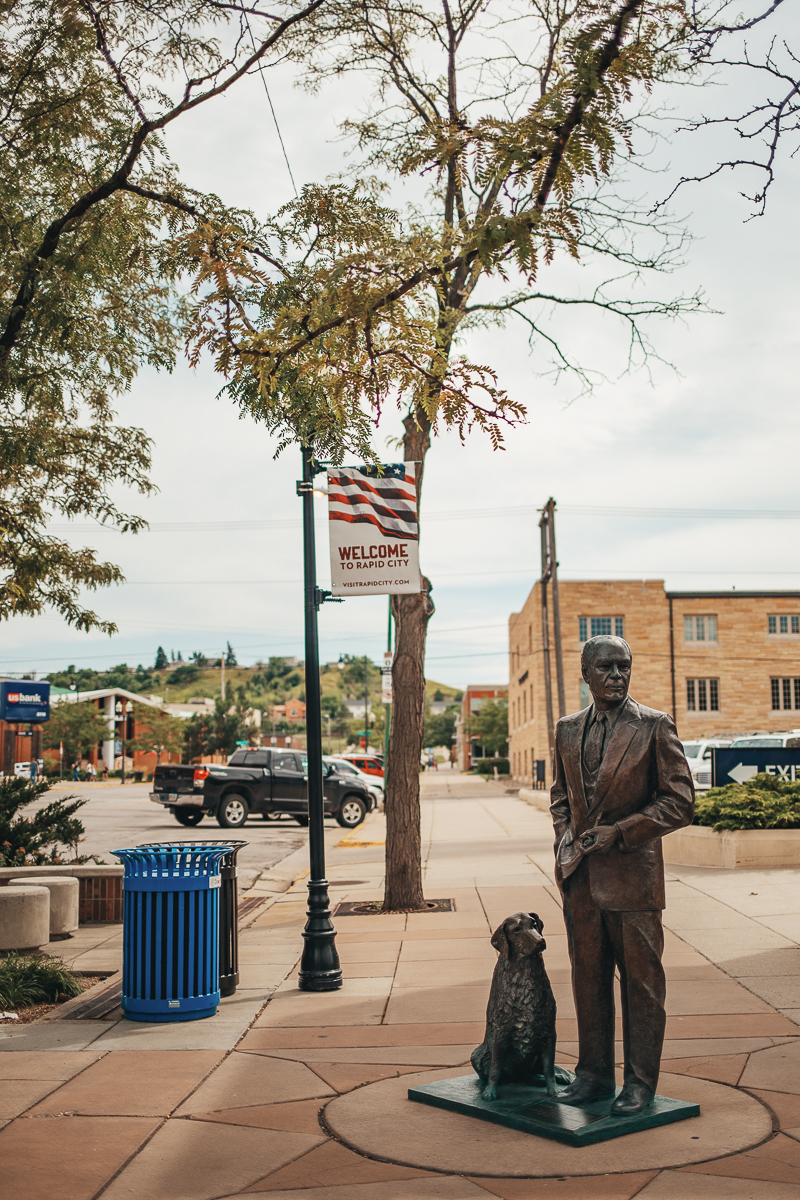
(319,966)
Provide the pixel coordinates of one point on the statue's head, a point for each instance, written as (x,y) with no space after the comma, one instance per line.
(606,667)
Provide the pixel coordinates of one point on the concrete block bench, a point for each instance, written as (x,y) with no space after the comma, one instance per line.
(64,900)
(100,887)
(24,918)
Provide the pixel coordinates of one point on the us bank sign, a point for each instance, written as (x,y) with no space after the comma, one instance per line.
(24,700)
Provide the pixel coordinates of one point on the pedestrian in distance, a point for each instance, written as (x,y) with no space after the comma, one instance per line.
(34,771)
(76,775)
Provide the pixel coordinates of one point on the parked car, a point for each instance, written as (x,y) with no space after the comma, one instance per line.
(698,756)
(344,766)
(767,741)
(268,782)
(370,764)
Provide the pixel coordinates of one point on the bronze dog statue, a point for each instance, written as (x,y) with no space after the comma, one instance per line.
(520,1038)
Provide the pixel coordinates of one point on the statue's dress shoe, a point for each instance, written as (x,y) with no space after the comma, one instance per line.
(581,1091)
(632,1100)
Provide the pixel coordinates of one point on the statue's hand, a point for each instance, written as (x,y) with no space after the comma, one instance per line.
(606,837)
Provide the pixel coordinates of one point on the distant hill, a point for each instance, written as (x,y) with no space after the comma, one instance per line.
(259,686)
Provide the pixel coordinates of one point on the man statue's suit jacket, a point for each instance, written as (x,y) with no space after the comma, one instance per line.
(644,787)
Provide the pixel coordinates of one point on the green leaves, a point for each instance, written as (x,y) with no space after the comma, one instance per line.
(33,980)
(764,802)
(35,840)
(79,726)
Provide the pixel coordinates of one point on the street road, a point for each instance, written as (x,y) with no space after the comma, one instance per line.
(117,816)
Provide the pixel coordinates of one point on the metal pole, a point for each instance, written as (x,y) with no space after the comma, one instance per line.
(366,703)
(388,706)
(548,685)
(672,664)
(551,527)
(319,966)
(124,731)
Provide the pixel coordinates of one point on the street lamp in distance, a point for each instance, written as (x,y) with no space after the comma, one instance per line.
(123,712)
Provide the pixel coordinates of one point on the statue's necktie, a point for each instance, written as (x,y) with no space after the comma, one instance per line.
(595,743)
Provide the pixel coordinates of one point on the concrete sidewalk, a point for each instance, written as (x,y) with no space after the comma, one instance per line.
(296,1095)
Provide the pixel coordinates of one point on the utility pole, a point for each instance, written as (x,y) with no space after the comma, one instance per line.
(550,526)
(548,683)
(319,966)
(222,681)
(547,527)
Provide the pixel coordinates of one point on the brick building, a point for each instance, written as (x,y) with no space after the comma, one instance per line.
(722,663)
(475,695)
(110,750)
(292,710)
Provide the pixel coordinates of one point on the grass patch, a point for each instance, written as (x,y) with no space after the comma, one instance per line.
(29,979)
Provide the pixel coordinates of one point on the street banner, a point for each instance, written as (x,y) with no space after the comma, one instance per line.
(374,529)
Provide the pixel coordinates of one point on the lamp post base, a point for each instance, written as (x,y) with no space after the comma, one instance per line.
(319,966)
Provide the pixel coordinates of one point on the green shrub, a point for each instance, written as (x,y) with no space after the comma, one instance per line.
(763,802)
(25,980)
(486,766)
(34,840)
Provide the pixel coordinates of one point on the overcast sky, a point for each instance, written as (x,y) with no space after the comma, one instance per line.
(720,435)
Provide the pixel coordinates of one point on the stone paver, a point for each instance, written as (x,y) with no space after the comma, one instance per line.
(199,1160)
(68,1157)
(147,1084)
(243,1103)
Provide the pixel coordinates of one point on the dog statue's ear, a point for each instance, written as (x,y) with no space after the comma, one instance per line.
(537,920)
(500,941)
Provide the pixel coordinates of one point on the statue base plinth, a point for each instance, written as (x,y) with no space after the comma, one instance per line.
(531,1110)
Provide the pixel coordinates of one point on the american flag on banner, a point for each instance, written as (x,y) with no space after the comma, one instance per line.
(374,529)
(387,500)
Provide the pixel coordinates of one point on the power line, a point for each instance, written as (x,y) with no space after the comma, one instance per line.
(271,109)
(461,514)
(530,571)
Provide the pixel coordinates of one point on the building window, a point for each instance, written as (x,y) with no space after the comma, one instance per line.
(595,626)
(785,693)
(783,623)
(700,629)
(702,695)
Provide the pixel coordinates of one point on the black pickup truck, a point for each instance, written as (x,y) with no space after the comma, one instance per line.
(269,782)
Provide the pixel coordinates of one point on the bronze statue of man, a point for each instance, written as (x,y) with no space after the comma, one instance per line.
(621,781)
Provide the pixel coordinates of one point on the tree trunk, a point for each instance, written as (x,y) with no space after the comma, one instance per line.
(403,889)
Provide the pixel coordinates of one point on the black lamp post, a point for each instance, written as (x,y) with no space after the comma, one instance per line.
(122,711)
(319,965)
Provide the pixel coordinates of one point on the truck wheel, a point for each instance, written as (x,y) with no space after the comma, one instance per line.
(352,812)
(188,816)
(232,811)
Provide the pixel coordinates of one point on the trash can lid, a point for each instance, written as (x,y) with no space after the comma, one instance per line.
(230,847)
(170,859)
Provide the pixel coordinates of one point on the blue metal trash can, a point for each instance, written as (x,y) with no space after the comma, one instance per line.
(170,924)
(228,907)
